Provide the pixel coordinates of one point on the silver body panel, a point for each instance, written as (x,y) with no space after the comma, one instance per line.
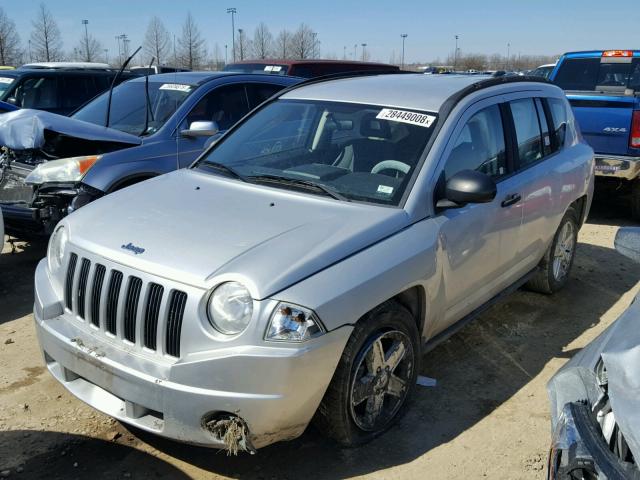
(339,259)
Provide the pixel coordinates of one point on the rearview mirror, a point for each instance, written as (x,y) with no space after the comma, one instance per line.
(468,186)
(627,242)
(201,129)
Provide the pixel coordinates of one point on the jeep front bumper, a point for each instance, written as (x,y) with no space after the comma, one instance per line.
(275,389)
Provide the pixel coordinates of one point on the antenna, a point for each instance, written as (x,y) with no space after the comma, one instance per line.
(113,84)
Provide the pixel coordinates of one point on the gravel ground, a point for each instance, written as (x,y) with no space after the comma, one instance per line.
(486,418)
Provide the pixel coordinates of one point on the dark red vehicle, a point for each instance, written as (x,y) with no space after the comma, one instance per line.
(307,68)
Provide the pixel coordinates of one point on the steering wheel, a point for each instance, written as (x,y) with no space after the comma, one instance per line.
(399,167)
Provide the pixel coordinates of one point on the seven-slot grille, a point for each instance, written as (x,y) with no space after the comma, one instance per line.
(87,286)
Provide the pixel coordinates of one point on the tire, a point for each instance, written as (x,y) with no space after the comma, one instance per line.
(354,390)
(555,266)
(635,199)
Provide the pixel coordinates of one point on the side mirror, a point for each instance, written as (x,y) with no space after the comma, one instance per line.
(12,100)
(468,186)
(627,242)
(201,129)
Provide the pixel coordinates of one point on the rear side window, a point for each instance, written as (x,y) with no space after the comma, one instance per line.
(528,135)
(76,90)
(480,145)
(559,115)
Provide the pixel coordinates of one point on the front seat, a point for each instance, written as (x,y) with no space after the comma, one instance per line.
(362,154)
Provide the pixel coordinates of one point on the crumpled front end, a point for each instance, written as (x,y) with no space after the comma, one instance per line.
(595,407)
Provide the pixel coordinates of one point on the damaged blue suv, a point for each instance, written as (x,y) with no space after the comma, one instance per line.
(51,165)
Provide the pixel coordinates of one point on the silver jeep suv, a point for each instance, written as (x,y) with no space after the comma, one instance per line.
(298,269)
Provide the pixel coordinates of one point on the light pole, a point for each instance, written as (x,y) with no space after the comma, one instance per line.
(404,36)
(225,53)
(106,55)
(508,54)
(344,52)
(86,39)
(240,32)
(314,35)
(455,55)
(233,12)
(355,51)
(119,49)
(364,47)
(30,56)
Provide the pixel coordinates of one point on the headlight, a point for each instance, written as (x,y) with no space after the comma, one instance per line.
(230,308)
(64,170)
(57,247)
(291,323)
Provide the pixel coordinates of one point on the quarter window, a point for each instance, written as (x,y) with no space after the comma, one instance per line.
(480,145)
(559,115)
(527,126)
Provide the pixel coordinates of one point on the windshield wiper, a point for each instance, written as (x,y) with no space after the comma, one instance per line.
(306,184)
(220,167)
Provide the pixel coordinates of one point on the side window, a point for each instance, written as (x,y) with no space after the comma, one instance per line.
(480,145)
(544,127)
(528,137)
(559,115)
(76,90)
(38,92)
(224,105)
(259,92)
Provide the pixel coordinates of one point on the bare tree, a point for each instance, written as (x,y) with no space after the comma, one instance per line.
(283,47)
(46,41)
(89,49)
(10,52)
(302,42)
(217,62)
(262,42)
(157,41)
(192,47)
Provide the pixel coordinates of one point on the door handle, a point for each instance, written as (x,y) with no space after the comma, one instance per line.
(511,199)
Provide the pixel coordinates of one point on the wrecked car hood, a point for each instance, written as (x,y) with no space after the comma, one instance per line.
(195,227)
(28,129)
(619,347)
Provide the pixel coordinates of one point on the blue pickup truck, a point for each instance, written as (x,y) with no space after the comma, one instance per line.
(603,88)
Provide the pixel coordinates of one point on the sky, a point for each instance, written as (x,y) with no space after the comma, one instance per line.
(545,27)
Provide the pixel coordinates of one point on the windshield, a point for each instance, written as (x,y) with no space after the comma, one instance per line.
(128,106)
(359,152)
(5,84)
(257,68)
(599,74)
(543,72)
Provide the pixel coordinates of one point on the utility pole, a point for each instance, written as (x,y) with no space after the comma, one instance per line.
(364,50)
(119,49)
(240,40)
(86,40)
(404,37)
(233,12)
(455,55)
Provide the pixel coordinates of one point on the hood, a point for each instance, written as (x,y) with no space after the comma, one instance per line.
(194,226)
(59,136)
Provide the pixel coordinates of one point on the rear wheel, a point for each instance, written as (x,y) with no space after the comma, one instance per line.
(374,379)
(554,268)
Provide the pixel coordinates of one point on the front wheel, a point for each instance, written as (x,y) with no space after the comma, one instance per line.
(554,268)
(374,379)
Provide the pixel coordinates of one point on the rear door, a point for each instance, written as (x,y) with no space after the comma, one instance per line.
(599,90)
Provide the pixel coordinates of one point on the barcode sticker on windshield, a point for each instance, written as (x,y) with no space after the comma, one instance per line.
(6,80)
(175,86)
(405,116)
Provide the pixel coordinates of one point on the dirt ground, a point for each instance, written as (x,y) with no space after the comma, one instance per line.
(486,418)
